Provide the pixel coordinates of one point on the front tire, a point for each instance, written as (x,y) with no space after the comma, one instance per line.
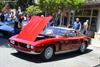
(48,53)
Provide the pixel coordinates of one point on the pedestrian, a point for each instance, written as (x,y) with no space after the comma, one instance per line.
(21,20)
(50,23)
(2,17)
(85,27)
(12,16)
(77,25)
(17,26)
(28,18)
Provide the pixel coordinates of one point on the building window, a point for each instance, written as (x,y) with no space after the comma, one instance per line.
(95,12)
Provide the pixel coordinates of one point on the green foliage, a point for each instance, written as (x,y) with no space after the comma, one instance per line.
(1,6)
(33,10)
(74,4)
(24,4)
(52,6)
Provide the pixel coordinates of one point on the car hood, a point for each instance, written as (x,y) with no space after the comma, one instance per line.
(33,28)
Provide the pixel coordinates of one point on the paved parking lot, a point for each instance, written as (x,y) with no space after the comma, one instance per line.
(10,58)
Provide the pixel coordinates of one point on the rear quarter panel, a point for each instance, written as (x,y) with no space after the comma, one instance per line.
(85,39)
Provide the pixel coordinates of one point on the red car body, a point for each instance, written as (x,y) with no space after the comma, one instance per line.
(26,41)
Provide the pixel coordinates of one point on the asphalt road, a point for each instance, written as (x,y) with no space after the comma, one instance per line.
(10,58)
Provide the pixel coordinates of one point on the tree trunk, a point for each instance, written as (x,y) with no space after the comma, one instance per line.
(60,20)
(73,16)
(69,18)
(56,18)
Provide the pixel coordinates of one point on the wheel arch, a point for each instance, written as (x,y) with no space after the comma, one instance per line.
(86,42)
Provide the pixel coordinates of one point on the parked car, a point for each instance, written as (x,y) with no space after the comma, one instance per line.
(53,40)
(6,29)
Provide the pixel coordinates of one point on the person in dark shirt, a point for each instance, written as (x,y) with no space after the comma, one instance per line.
(17,26)
(50,23)
(2,17)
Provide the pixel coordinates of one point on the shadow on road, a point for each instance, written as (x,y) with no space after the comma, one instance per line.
(97,65)
(3,42)
(36,59)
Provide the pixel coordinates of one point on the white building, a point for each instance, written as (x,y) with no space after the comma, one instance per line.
(94,6)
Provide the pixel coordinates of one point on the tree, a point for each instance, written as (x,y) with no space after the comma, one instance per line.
(11,3)
(33,10)
(50,6)
(73,5)
(53,6)
(1,6)
(24,4)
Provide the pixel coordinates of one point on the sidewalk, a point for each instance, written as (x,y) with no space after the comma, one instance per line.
(95,42)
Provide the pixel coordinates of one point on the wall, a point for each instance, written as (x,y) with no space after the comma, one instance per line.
(98,22)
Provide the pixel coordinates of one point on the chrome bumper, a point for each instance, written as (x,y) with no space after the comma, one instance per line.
(28,52)
(31,52)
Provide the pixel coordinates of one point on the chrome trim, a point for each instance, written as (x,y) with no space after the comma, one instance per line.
(66,51)
(12,41)
(31,52)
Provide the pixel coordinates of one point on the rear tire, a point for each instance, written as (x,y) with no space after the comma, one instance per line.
(83,47)
(48,53)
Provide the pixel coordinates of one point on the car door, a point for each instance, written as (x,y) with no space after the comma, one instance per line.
(73,40)
(64,43)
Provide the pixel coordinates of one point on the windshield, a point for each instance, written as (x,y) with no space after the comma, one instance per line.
(55,31)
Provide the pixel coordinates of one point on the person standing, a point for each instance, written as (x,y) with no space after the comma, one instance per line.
(17,26)
(50,23)
(2,17)
(85,27)
(77,25)
(12,16)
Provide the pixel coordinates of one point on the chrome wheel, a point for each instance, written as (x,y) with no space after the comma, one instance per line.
(82,47)
(48,52)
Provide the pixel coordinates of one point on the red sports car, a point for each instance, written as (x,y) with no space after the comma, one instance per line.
(36,38)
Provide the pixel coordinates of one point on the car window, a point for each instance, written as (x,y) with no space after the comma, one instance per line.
(80,34)
(55,31)
(72,33)
(60,32)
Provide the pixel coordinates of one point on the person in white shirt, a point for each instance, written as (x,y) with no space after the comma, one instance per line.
(85,27)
